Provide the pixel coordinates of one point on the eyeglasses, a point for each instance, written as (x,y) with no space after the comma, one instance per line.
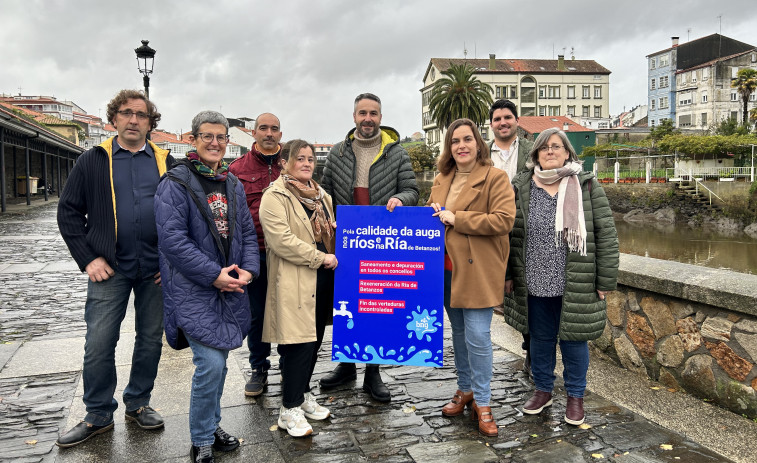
(128,113)
(208,138)
(554,148)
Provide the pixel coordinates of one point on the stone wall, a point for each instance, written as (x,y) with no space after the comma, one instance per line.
(689,327)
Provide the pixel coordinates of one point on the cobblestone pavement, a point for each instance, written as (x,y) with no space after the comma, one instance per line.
(41,348)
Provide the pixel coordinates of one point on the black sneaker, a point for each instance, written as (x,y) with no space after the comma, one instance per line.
(202,454)
(224,442)
(80,433)
(145,417)
(257,383)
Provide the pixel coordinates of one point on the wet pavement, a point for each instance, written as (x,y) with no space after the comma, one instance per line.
(41,348)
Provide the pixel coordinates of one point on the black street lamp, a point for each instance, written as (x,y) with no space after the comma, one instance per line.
(145,59)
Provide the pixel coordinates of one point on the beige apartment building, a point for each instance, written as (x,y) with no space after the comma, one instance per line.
(539,87)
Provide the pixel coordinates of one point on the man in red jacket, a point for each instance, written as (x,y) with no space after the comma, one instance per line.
(257,169)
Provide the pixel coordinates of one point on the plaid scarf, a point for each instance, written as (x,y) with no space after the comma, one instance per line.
(218,175)
(570,224)
(310,196)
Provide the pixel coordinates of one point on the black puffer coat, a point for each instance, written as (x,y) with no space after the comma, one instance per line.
(391,174)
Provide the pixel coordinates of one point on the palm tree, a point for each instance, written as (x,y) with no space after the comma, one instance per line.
(745,83)
(459,94)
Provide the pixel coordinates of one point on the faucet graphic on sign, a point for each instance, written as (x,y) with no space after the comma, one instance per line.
(345,313)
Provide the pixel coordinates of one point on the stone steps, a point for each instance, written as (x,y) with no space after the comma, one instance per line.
(689,191)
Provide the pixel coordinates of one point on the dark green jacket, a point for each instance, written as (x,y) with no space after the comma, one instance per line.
(524,147)
(583,314)
(391,174)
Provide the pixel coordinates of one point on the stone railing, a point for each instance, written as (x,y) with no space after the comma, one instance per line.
(691,328)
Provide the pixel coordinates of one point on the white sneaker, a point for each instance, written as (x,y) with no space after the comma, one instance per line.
(312,409)
(293,420)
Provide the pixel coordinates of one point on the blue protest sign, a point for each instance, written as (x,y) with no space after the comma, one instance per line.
(388,286)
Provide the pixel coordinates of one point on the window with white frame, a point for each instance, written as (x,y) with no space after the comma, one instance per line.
(653,84)
(585,111)
(571,111)
(484,133)
(664,81)
(585,90)
(553,91)
(554,110)
(664,60)
(542,91)
(704,97)
(753,96)
(705,73)
(684,99)
(734,96)
(597,91)
(652,63)
(542,110)
(652,103)
(734,72)
(664,102)
(571,91)
(597,111)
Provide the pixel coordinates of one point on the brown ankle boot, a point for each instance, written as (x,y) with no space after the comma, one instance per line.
(486,424)
(456,406)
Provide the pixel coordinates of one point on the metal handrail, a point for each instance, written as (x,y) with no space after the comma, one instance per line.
(697,182)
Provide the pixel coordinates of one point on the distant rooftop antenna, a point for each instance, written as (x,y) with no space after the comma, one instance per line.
(465,51)
(688,34)
(572,53)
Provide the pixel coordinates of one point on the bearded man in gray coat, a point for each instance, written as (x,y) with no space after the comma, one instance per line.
(369,167)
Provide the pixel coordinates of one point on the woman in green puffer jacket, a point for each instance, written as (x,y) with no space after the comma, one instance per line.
(563,260)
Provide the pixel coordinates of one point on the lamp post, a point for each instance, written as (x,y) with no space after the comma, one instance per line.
(145,59)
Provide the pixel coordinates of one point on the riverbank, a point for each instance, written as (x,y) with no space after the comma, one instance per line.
(664,203)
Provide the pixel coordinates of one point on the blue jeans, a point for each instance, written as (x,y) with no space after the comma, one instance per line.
(103,312)
(472,345)
(259,350)
(544,325)
(207,389)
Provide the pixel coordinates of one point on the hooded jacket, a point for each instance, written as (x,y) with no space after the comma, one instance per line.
(87,206)
(390,176)
(583,313)
(191,257)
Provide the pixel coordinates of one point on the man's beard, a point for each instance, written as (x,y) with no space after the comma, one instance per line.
(368,131)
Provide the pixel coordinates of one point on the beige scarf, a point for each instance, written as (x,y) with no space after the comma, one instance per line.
(570,224)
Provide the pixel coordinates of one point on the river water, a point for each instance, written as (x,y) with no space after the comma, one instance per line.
(692,246)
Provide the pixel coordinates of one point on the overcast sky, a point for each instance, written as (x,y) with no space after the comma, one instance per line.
(306,61)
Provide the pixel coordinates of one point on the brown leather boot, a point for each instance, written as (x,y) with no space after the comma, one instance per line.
(486,424)
(574,411)
(456,406)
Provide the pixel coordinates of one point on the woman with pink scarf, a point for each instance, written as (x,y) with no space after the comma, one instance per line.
(563,261)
